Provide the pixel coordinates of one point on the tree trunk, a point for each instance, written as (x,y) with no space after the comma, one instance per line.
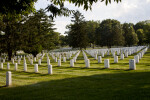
(9,54)
(93,45)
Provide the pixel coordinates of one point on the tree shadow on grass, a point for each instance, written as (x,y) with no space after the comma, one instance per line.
(119,86)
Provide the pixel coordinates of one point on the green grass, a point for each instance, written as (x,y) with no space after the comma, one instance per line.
(79,83)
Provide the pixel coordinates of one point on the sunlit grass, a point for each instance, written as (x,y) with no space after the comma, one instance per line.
(79,82)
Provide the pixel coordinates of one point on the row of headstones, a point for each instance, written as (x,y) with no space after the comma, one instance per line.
(68,54)
(106,61)
(9,76)
(127,51)
(62,55)
(25,67)
(140,55)
(30,58)
(86,60)
(72,61)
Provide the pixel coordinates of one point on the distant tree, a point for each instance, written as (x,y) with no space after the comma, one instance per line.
(110,33)
(139,25)
(91,28)
(130,35)
(63,40)
(146,30)
(77,33)
(141,36)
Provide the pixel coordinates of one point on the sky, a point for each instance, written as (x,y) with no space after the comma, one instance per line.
(130,11)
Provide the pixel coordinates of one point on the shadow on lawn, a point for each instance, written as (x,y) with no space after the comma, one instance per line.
(120,86)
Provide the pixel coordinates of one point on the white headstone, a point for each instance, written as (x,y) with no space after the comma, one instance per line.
(48,61)
(87,63)
(36,68)
(71,63)
(16,66)
(99,59)
(50,71)
(122,56)
(25,67)
(116,59)
(55,59)
(1,65)
(8,78)
(136,58)
(106,63)
(96,56)
(102,54)
(31,62)
(126,54)
(140,56)
(132,64)
(64,59)
(59,62)
(39,62)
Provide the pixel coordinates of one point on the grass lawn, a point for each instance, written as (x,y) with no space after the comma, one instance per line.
(79,83)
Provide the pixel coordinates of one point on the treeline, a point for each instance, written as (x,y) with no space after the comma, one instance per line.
(109,33)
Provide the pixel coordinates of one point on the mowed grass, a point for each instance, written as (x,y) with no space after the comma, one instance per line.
(79,83)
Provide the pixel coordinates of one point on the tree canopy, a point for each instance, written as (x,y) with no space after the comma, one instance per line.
(56,7)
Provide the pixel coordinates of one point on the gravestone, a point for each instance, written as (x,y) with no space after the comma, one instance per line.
(116,59)
(99,59)
(55,59)
(64,59)
(132,65)
(50,71)
(36,68)
(87,63)
(59,62)
(48,61)
(8,79)
(39,61)
(136,58)
(122,56)
(25,67)
(106,63)
(16,66)
(1,65)
(71,63)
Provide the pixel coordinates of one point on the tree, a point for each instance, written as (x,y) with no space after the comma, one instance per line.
(13,7)
(77,33)
(109,33)
(129,34)
(56,7)
(37,33)
(10,39)
(91,28)
(141,36)
(63,40)
(146,30)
